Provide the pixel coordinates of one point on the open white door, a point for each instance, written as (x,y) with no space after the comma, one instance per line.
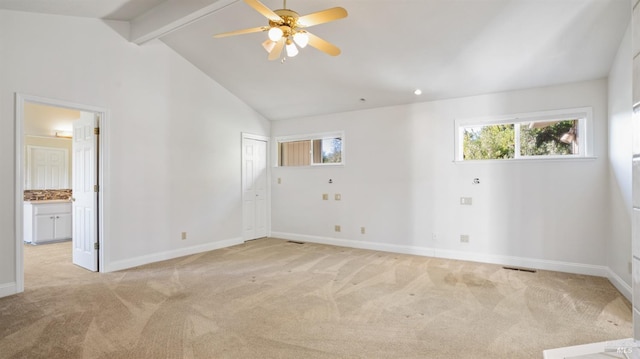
(254,188)
(85,191)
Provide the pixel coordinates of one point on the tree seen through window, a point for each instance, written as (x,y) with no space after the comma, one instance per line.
(536,138)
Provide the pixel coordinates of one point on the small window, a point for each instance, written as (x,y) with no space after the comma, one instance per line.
(556,134)
(550,138)
(311,150)
(489,142)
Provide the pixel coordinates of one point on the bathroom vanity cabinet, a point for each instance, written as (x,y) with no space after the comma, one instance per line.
(47,221)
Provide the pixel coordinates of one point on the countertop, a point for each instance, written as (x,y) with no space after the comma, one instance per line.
(44,201)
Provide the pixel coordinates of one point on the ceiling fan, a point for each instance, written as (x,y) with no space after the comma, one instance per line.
(286,29)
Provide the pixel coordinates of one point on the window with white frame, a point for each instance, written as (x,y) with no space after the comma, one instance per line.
(540,135)
(311,150)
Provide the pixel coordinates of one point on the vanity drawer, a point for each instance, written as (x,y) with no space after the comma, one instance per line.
(51,208)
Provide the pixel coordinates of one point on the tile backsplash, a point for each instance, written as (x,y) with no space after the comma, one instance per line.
(46,194)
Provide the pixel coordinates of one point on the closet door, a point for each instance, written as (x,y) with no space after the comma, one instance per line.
(254,188)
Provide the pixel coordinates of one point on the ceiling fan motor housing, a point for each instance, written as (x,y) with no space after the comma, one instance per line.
(289,21)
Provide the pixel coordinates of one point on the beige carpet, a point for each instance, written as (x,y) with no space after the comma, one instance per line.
(274,299)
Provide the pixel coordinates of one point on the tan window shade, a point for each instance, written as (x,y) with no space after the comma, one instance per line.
(317,151)
(295,153)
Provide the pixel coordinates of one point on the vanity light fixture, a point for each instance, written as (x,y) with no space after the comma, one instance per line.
(64,134)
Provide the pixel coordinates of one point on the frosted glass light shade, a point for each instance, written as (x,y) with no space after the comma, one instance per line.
(268,45)
(301,38)
(292,50)
(275,33)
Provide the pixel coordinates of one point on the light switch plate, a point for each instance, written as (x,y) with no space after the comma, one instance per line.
(466,201)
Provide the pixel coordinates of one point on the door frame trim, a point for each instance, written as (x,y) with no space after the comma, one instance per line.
(103,145)
(249,136)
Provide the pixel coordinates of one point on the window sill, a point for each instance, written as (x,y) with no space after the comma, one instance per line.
(520,160)
(329,165)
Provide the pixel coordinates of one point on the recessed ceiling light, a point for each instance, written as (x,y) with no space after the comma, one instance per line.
(418,92)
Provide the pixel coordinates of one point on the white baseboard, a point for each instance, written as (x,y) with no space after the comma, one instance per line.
(383,247)
(541,264)
(162,256)
(620,284)
(8,289)
(533,263)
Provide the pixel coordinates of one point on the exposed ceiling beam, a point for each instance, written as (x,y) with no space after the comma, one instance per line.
(172,15)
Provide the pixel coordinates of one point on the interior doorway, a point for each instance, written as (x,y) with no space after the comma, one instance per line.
(82,176)
(255,189)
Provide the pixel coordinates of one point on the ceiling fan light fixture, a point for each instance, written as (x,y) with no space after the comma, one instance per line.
(268,45)
(275,33)
(292,50)
(288,29)
(301,39)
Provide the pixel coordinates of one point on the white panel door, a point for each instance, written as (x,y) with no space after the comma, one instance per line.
(85,192)
(48,168)
(254,188)
(58,169)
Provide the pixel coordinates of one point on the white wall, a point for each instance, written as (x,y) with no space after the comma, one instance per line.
(620,155)
(174,135)
(400,183)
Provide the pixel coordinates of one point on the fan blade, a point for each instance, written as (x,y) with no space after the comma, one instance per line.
(243,31)
(275,53)
(323,45)
(321,17)
(265,11)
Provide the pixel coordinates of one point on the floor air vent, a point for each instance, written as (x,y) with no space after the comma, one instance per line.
(295,242)
(521,269)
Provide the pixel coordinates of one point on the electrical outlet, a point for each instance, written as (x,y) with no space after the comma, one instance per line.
(325,196)
(466,201)
(337,228)
(337,197)
(279,180)
(184,235)
(464,238)
(362,230)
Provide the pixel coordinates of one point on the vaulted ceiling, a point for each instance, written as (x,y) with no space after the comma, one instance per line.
(447,48)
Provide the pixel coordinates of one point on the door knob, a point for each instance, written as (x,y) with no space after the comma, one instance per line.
(73,199)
